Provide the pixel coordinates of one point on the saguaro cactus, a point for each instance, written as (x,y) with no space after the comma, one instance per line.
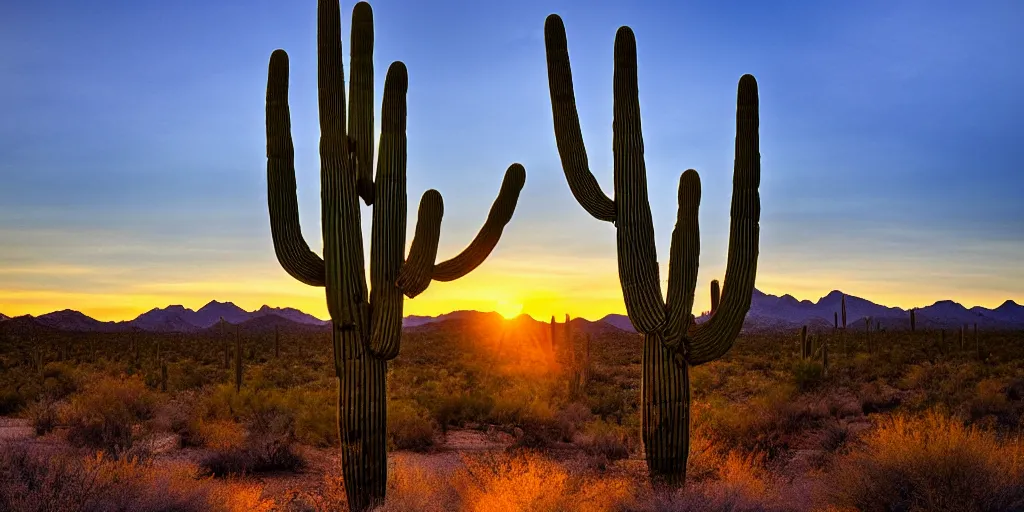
(805,345)
(844,310)
(672,339)
(716,295)
(367,324)
(913,320)
(238,361)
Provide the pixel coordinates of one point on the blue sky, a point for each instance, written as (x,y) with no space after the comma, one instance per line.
(132,146)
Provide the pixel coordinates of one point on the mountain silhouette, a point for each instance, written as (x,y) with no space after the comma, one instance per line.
(767,313)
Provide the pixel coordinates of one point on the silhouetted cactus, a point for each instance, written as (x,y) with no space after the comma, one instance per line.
(672,339)
(844,310)
(552,335)
(579,367)
(913,320)
(238,361)
(805,346)
(867,332)
(835,320)
(367,324)
(716,295)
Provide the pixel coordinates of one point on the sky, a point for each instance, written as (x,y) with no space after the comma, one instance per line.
(133,150)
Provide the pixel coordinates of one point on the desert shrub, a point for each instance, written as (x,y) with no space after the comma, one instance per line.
(268,447)
(572,419)
(409,427)
(11,401)
(183,415)
(259,455)
(807,375)
(741,484)
(459,408)
(42,414)
(610,401)
(315,410)
(107,413)
(531,482)
(990,401)
(60,380)
(768,423)
(605,443)
(33,479)
(931,463)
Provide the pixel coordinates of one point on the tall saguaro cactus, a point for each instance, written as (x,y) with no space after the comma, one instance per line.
(672,339)
(367,324)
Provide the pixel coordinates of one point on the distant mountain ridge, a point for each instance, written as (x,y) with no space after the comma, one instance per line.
(767,312)
(771,312)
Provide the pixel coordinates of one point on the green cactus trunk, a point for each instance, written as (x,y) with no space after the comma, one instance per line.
(362,421)
(665,414)
(673,341)
(367,320)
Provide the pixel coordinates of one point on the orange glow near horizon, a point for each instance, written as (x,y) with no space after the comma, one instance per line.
(510,284)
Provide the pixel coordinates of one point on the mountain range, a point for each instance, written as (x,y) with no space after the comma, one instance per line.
(767,312)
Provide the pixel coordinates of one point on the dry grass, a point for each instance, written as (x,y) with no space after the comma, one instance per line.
(929,463)
(35,480)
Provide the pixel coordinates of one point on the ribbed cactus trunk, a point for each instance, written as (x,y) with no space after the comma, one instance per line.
(672,339)
(362,421)
(665,415)
(366,320)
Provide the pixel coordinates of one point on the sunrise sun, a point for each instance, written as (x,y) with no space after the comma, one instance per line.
(508,309)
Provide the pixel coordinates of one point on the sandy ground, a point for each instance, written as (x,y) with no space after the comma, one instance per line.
(15,428)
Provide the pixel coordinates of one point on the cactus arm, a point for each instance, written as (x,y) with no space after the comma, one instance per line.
(501,212)
(415,275)
(638,257)
(340,218)
(716,295)
(292,251)
(360,120)
(684,260)
(715,337)
(568,134)
(387,251)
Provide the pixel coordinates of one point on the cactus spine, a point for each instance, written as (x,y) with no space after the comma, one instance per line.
(672,339)
(366,322)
